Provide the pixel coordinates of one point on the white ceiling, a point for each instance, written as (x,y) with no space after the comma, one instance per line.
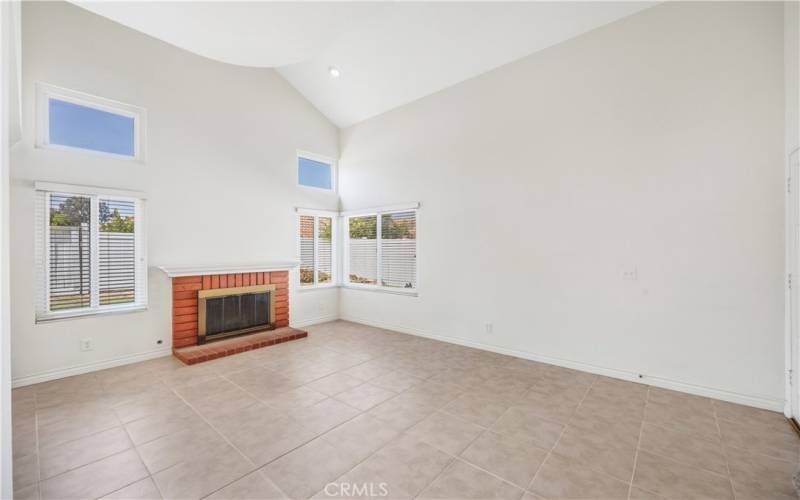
(389,53)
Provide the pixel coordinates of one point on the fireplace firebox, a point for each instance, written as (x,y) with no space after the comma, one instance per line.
(225,312)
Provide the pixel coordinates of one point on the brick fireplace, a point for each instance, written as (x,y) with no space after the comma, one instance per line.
(188,346)
(185,294)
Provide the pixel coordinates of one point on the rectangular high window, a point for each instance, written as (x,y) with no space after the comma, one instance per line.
(315,171)
(382,250)
(75,121)
(316,242)
(89,251)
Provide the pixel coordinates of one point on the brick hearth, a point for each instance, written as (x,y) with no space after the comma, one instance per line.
(206,352)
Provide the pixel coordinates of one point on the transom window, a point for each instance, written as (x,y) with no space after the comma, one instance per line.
(90,251)
(315,171)
(316,241)
(75,121)
(382,249)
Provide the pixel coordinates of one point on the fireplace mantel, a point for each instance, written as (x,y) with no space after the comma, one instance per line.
(179,271)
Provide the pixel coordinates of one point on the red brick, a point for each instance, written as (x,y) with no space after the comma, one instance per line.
(246,279)
(206,282)
(184,342)
(184,310)
(184,303)
(184,327)
(187,287)
(184,295)
(279,277)
(184,318)
(186,280)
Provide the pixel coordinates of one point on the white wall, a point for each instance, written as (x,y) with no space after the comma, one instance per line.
(220,175)
(9,133)
(653,144)
(791,57)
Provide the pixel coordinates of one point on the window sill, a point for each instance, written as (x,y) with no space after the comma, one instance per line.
(392,291)
(311,288)
(46,318)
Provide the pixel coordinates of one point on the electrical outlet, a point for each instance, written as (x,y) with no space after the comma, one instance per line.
(488,327)
(86,345)
(630,274)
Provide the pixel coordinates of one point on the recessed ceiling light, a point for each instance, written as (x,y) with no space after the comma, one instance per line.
(334,72)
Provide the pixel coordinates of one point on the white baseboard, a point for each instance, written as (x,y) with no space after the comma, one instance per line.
(314,321)
(88,367)
(757,401)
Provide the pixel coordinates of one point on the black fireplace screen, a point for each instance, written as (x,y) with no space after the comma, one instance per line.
(236,313)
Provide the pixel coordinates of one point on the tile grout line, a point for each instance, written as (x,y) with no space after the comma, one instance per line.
(405,432)
(133,447)
(638,443)
(39,479)
(724,449)
(203,418)
(316,436)
(550,452)
(400,433)
(453,458)
(71,469)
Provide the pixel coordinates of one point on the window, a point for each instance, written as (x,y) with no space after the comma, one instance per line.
(382,249)
(316,234)
(90,251)
(75,121)
(315,171)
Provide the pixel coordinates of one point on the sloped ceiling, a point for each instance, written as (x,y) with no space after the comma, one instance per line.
(388,53)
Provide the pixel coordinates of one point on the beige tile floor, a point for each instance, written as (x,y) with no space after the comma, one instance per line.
(357,411)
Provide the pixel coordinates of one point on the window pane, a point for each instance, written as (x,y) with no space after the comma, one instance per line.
(69,252)
(324,252)
(89,128)
(117,252)
(306,250)
(314,173)
(399,249)
(364,250)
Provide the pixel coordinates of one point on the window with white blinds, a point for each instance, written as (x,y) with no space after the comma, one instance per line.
(382,250)
(316,237)
(89,252)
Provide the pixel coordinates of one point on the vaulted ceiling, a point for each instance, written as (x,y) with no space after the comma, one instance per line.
(387,53)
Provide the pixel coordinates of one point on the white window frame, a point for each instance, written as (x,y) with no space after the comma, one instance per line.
(44,190)
(378,212)
(334,216)
(322,159)
(46,91)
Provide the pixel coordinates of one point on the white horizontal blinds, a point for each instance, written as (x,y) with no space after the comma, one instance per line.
(306,249)
(141,260)
(363,249)
(41,230)
(398,249)
(69,252)
(324,249)
(90,253)
(117,251)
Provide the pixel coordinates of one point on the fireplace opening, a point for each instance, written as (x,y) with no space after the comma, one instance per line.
(225,312)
